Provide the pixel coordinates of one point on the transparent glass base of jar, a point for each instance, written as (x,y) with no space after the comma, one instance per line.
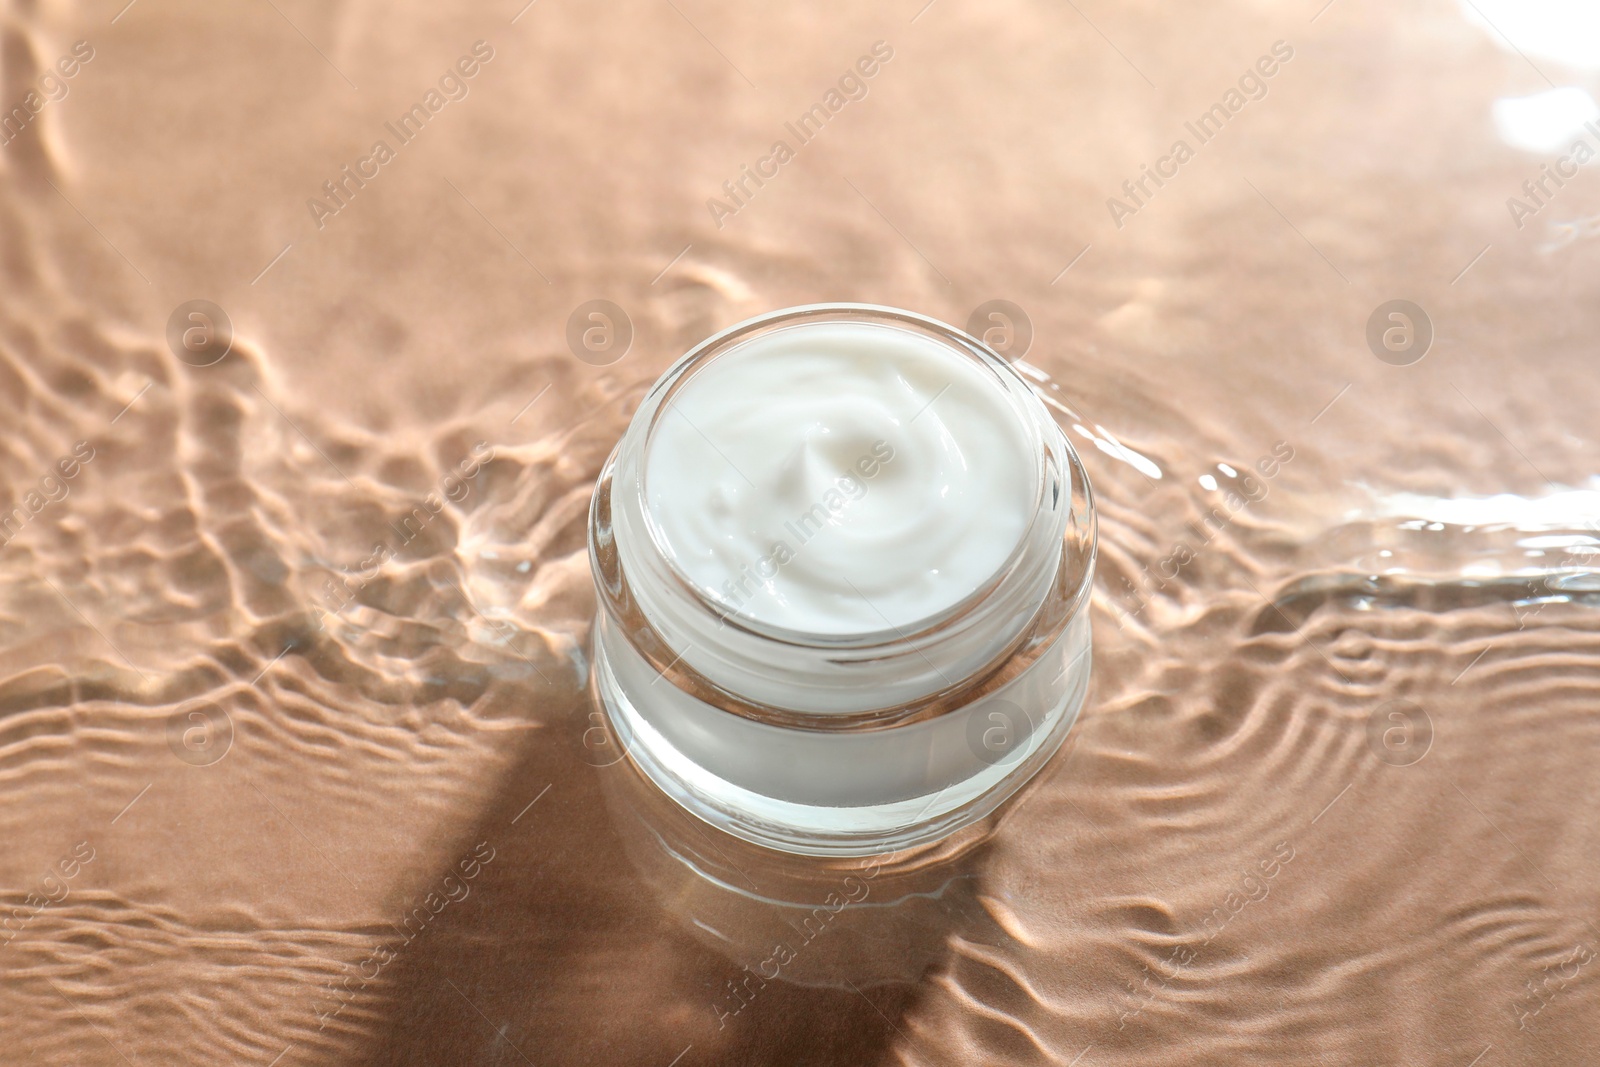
(643,710)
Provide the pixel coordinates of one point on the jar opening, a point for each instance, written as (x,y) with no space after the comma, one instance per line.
(842,479)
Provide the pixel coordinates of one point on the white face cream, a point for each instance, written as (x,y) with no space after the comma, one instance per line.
(843,558)
(841,478)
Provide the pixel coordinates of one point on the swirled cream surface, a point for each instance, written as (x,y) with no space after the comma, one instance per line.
(841,478)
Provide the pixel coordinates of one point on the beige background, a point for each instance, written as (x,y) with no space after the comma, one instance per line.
(1427,911)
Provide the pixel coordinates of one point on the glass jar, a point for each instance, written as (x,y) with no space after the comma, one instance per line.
(852,744)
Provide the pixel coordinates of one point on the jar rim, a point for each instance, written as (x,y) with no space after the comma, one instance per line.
(733,338)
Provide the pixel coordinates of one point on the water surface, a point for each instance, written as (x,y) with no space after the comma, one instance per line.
(297,760)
